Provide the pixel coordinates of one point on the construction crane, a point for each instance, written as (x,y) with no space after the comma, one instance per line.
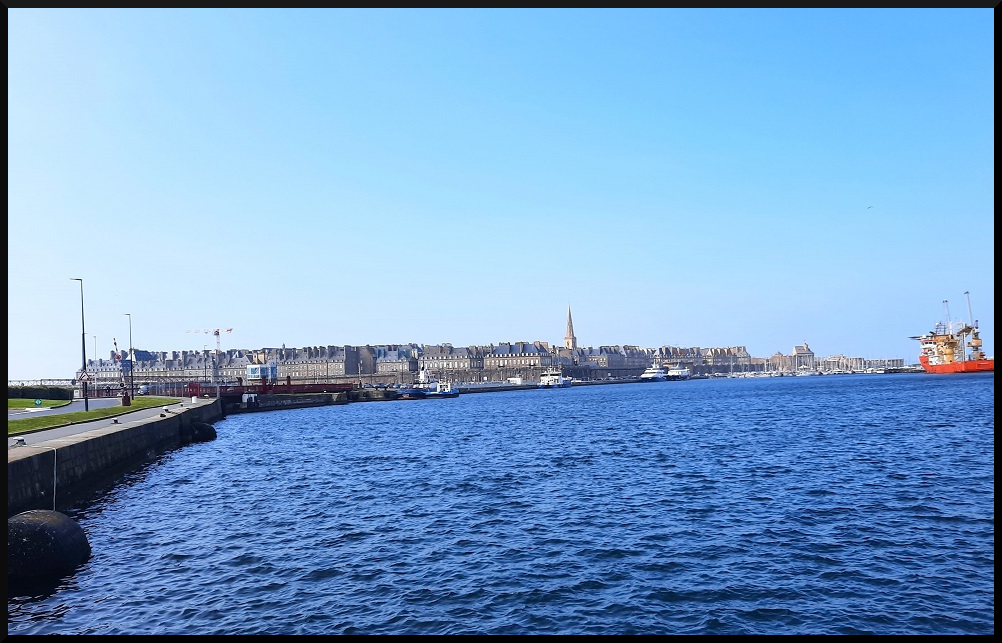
(215,359)
(214,331)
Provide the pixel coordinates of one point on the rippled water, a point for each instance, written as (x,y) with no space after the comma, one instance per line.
(837,505)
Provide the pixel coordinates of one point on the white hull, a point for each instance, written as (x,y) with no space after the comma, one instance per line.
(654,374)
(554,379)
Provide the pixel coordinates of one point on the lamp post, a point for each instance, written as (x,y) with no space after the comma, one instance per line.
(83,346)
(132,361)
(205,367)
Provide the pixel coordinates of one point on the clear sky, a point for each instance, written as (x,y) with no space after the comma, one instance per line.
(713,177)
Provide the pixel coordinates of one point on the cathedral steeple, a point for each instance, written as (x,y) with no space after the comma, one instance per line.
(570,341)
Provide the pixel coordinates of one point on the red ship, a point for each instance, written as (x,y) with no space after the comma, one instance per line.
(943,349)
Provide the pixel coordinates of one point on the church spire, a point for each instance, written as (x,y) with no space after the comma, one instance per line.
(570,341)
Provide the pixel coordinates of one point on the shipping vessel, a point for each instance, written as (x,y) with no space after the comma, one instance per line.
(944,348)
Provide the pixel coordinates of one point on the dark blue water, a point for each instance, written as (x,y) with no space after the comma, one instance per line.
(827,505)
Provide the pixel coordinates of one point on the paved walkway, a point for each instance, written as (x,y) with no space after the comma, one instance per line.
(122,420)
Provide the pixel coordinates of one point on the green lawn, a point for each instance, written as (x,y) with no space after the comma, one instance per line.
(19,403)
(63,419)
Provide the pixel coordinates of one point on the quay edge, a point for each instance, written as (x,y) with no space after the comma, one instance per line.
(73,467)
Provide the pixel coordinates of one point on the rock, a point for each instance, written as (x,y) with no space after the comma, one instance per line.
(44,544)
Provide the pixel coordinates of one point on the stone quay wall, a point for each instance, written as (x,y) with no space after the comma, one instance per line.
(56,473)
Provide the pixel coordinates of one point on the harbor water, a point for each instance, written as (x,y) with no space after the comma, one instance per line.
(841,504)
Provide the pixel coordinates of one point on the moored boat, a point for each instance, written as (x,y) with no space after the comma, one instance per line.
(944,348)
(654,373)
(554,378)
(411,393)
(676,373)
(431,388)
(438,389)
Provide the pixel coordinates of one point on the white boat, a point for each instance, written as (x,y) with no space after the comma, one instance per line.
(433,388)
(442,389)
(677,372)
(654,373)
(554,378)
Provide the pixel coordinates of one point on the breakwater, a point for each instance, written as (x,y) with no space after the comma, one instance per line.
(56,473)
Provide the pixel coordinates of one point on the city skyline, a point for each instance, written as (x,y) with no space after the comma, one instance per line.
(294,353)
(207,342)
(570,344)
(679,177)
(402,363)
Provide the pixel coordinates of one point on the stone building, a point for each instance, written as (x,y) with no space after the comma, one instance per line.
(452,364)
(518,356)
(309,364)
(691,357)
(730,359)
(803,358)
(397,360)
(617,357)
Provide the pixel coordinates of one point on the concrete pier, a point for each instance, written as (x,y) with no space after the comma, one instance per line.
(54,473)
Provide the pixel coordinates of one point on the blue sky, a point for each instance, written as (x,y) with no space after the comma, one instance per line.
(712,177)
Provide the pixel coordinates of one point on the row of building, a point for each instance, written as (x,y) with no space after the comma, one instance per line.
(401,363)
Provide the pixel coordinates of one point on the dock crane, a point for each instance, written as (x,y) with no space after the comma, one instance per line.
(215,358)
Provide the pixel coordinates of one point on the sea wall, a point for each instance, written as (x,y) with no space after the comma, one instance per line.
(56,473)
(275,402)
(371,395)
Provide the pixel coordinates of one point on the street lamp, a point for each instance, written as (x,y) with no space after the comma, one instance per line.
(205,364)
(132,360)
(83,346)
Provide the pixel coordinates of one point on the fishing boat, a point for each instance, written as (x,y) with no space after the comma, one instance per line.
(944,348)
(654,373)
(554,378)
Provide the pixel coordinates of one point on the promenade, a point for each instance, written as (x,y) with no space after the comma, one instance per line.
(131,418)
